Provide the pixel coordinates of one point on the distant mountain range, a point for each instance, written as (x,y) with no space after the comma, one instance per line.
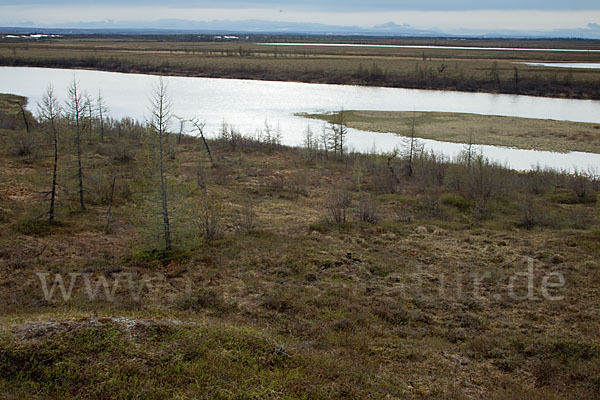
(177,26)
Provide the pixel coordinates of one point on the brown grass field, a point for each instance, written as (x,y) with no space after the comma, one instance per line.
(488,71)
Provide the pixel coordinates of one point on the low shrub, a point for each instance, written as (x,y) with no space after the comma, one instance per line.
(33,226)
(456,201)
(367,211)
(337,205)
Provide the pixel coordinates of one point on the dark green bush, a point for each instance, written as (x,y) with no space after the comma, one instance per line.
(457,201)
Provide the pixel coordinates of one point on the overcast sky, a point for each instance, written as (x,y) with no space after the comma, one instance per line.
(445,15)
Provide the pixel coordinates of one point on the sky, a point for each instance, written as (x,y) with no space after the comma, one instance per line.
(446,15)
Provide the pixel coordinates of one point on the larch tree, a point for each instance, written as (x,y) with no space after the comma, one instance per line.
(160,115)
(324,139)
(342,132)
(76,107)
(90,114)
(339,131)
(49,112)
(102,111)
(411,147)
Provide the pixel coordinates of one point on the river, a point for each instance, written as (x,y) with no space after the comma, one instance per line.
(434,47)
(247,104)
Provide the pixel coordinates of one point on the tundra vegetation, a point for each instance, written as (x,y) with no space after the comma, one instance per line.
(522,133)
(308,272)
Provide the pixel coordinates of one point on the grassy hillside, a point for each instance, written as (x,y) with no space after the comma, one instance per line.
(420,289)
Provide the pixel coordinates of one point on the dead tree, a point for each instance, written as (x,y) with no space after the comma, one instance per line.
(49,112)
(469,150)
(411,148)
(310,144)
(324,141)
(160,111)
(181,128)
(102,110)
(110,202)
(21,103)
(24,115)
(342,132)
(390,158)
(90,116)
(200,128)
(76,107)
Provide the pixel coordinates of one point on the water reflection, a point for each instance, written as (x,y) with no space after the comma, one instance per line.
(248,104)
(563,65)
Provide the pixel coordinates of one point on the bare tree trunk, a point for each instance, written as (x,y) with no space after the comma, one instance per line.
(101,126)
(200,127)
(90,115)
(342,131)
(110,201)
(181,126)
(412,148)
(101,111)
(77,106)
(80,170)
(469,151)
(324,140)
(163,189)
(54,173)
(392,171)
(24,117)
(49,110)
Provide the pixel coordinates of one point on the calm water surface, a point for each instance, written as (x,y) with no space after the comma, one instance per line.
(247,104)
(563,65)
(432,47)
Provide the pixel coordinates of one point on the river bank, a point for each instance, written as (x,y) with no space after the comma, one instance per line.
(432,68)
(522,133)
